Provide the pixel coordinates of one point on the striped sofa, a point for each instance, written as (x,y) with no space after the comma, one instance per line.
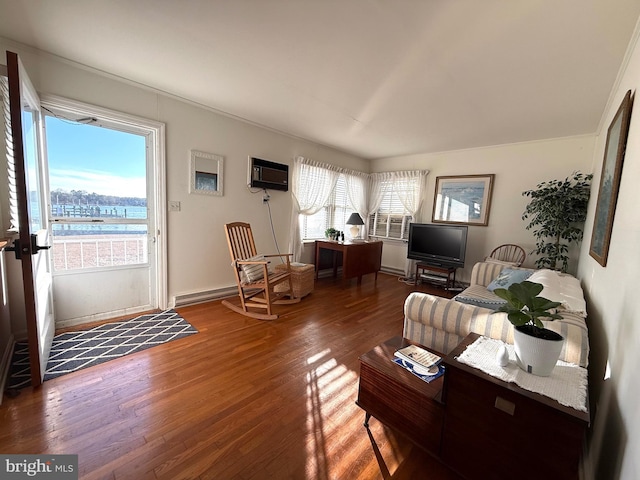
(441,324)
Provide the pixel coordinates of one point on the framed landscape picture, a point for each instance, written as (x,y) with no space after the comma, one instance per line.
(463,199)
(610,181)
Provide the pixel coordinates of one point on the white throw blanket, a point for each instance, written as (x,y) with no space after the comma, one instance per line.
(563,288)
(567,384)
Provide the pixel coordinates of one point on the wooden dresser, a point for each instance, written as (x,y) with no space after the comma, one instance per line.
(497,430)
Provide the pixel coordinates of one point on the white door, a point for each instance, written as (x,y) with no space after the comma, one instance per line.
(103,179)
(28,158)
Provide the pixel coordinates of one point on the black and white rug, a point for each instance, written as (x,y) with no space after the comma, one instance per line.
(74,351)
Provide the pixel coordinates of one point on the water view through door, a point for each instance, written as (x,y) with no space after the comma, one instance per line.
(102,220)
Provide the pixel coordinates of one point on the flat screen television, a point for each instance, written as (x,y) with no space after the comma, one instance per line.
(438,245)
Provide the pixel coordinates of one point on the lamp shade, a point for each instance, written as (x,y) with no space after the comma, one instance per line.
(355,219)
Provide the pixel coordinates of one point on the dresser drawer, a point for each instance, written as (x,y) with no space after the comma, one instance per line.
(492,431)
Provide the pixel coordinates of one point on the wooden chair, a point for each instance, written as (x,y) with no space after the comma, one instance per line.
(509,253)
(255,282)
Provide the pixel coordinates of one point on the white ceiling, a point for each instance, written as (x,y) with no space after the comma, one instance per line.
(374,78)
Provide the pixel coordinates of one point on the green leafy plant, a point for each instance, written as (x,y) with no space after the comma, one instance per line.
(525,308)
(330,232)
(556,213)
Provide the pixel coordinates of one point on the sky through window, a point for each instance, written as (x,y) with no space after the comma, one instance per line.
(95,159)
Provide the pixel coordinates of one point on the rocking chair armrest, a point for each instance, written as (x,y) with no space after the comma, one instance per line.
(284,257)
(252,262)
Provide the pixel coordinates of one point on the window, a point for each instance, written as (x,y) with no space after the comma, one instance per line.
(392,219)
(334,214)
(98,191)
(328,195)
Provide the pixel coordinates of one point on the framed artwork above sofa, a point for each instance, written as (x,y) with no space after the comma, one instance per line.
(463,199)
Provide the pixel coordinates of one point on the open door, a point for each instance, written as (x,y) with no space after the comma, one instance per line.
(31,247)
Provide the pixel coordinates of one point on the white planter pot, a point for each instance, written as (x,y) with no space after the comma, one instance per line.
(537,355)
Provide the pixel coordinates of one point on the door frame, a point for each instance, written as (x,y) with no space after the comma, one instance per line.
(157,131)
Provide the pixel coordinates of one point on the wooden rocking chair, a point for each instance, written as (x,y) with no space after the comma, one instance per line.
(509,253)
(255,282)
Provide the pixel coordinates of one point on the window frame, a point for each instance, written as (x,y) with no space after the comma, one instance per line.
(405,220)
(395,212)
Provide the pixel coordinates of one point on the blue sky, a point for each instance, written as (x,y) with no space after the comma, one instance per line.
(95,159)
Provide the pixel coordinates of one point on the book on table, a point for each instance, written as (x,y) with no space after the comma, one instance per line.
(418,356)
(426,374)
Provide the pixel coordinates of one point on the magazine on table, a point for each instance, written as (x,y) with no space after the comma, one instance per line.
(418,356)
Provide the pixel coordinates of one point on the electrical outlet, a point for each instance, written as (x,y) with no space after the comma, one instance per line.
(265,198)
(174,206)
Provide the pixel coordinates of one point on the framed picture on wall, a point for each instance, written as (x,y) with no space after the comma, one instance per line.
(610,181)
(463,199)
(206,173)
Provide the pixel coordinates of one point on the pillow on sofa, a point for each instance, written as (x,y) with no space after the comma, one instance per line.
(508,277)
(479,296)
(253,272)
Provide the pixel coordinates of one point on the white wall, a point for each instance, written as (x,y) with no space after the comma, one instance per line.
(198,253)
(198,257)
(612,294)
(517,167)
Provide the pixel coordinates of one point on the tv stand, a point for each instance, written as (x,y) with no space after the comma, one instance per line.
(444,274)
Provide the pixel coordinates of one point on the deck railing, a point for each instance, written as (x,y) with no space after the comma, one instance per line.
(81,252)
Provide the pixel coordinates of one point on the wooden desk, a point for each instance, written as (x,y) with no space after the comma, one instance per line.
(357,259)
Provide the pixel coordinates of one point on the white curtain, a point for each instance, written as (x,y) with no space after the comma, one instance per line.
(379,185)
(408,186)
(357,192)
(312,183)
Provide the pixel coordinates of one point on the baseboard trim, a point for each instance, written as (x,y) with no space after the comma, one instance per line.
(184,299)
(72,322)
(392,271)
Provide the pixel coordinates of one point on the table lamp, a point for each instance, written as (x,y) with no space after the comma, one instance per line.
(355,221)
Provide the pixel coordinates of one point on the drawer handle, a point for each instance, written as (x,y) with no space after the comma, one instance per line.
(505,405)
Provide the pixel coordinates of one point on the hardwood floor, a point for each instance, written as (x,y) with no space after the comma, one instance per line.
(243,398)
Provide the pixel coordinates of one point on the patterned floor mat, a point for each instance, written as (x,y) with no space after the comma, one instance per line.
(73,351)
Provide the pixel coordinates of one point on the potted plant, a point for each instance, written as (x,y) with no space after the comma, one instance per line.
(330,233)
(537,348)
(556,212)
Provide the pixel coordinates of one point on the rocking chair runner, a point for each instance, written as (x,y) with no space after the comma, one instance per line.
(255,282)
